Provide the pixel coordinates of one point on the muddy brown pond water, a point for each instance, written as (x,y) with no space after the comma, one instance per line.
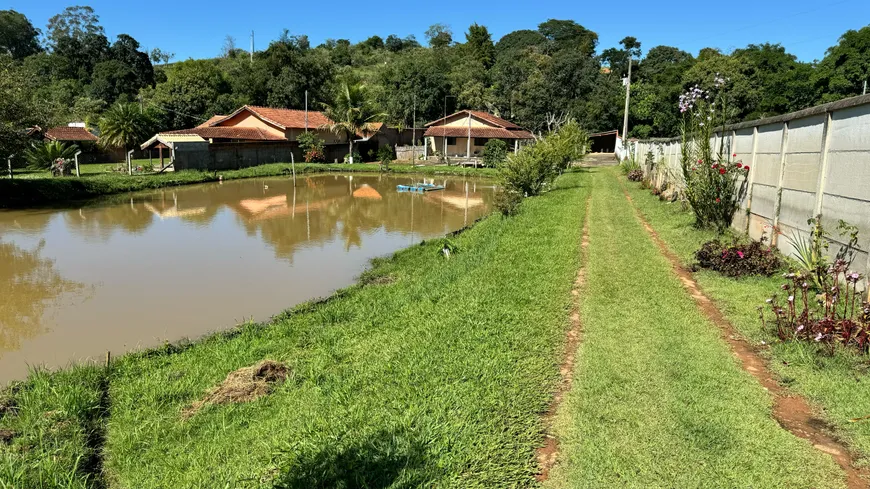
(134,271)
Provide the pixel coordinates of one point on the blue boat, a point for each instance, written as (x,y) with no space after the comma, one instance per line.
(419,187)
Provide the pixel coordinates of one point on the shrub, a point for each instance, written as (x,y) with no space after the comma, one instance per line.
(812,252)
(43,155)
(495,151)
(508,201)
(536,166)
(629,165)
(635,175)
(312,147)
(385,156)
(715,185)
(739,259)
(839,316)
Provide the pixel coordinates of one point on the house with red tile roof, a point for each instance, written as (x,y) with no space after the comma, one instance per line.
(466,132)
(254,135)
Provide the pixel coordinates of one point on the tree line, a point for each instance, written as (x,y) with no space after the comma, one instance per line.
(534,77)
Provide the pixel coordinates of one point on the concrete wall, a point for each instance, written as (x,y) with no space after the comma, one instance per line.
(816,161)
(231,156)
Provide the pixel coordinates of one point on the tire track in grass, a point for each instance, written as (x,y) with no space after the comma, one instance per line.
(791,411)
(549,452)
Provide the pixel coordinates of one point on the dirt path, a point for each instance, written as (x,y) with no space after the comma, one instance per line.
(547,454)
(792,412)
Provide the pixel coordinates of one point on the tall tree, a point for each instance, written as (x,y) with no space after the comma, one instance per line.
(478,44)
(351,113)
(74,22)
(845,67)
(125,126)
(18,37)
(439,36)
(567,34)
(19,107)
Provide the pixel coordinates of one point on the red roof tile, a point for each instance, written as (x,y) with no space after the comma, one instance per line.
(477,132)
(230,132)
(66,133)
(213,119)
(283,118)
(484,116)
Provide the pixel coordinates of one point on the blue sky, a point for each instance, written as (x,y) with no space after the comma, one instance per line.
(196,29)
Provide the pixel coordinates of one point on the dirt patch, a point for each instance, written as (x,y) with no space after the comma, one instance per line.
(380,280)
(549,452)
(7,406)
(791,411)
(243,385)
(6,436)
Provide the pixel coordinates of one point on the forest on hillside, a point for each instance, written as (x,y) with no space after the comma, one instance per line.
(71,71)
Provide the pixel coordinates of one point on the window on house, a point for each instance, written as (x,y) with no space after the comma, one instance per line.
(451,141)
(480,141)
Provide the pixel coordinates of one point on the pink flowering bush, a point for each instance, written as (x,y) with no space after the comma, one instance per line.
(739,259)
(716,183)
(839,316)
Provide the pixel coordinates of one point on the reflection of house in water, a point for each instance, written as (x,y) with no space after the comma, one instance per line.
(174,211)
(277,206)
(457,200)
(367,192)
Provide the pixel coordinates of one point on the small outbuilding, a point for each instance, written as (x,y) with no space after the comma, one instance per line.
(466,132)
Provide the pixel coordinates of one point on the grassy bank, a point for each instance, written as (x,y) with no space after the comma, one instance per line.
(27,192)
(430,372)
(836,384)
(658,399)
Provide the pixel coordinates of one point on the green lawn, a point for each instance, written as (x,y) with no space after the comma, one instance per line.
(836,384)
(658,399)
(37,188)
(436,374)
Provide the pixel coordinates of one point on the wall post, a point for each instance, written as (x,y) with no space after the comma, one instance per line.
(751,177)
(783,148)
(823,164)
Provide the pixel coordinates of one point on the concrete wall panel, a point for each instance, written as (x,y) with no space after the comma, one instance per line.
(796,208)
(764,200)
(802,171)
(767,168)
(770,138)
(850,129)
(805,135)
(849,173)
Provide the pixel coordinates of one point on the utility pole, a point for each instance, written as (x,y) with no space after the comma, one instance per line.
(414,132)
(306,110)
(252,47)
(468,140)
(627,96)
(865,88)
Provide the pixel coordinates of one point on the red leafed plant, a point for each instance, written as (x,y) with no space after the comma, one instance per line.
(837,316)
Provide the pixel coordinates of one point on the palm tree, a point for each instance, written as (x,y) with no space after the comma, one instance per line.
(351,114)
(42,155)
(124,126)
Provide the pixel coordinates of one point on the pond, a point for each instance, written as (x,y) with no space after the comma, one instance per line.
(137,270)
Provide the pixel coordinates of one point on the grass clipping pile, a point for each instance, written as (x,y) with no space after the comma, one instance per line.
(243,385)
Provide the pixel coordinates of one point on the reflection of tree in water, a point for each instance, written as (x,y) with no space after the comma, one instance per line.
(98,223)
(317,210)
(331,207)
(32,222)
(29,284)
